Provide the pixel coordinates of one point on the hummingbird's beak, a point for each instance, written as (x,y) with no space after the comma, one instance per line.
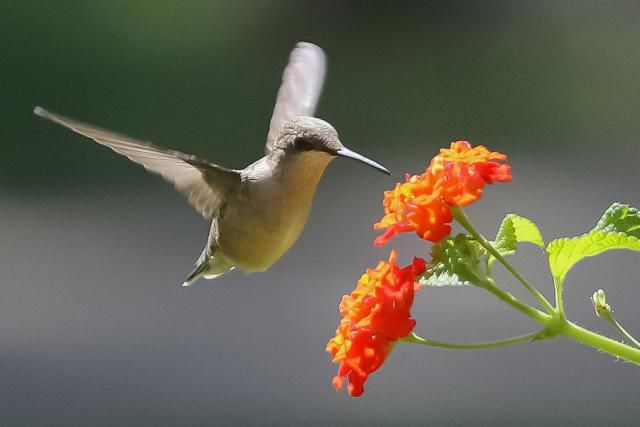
(345,152)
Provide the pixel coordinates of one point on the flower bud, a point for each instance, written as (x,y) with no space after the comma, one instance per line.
(599,301)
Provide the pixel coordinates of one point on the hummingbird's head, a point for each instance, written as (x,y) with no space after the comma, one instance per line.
(312,135)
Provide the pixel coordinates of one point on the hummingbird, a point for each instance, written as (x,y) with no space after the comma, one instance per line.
(257,213)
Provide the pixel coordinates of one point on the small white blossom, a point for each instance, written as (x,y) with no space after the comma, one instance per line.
(599,301)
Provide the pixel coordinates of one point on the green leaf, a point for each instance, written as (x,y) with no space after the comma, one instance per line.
(620,218)
(513,230)
(565,253)
(455,262)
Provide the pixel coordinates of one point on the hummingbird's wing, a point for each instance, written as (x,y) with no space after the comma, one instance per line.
(204,183)
(300,89)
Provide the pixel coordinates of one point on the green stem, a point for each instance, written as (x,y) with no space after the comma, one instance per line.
(600,342)
(557,284)
(413,338)
(608,316)
(534,313)
(460,216)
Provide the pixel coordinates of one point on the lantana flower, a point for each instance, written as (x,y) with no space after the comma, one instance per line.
(455,177)
(374,316)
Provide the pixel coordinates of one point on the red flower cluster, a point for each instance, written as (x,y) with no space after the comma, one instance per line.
(378,312)
(375,315)
(455,177)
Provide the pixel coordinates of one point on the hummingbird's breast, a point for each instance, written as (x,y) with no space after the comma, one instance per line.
(269,212)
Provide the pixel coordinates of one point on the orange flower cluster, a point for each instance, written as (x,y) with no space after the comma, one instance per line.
(455,177)
(374,317)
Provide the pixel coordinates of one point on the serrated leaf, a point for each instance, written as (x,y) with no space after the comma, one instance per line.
(455,262)
(620,218)
(565,253)
(515,229)
(618,228)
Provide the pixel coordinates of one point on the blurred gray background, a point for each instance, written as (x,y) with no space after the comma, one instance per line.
(93,327)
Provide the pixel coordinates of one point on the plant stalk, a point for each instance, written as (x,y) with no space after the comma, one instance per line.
(460,216)
(413,338)
(599,342)
(608,316)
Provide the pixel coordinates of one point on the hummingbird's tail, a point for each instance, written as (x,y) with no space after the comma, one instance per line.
(209,267)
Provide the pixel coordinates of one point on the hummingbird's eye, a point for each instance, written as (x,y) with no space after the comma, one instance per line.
(303,144)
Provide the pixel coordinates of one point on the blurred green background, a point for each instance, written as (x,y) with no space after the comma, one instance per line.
(93,329)
(202,75)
